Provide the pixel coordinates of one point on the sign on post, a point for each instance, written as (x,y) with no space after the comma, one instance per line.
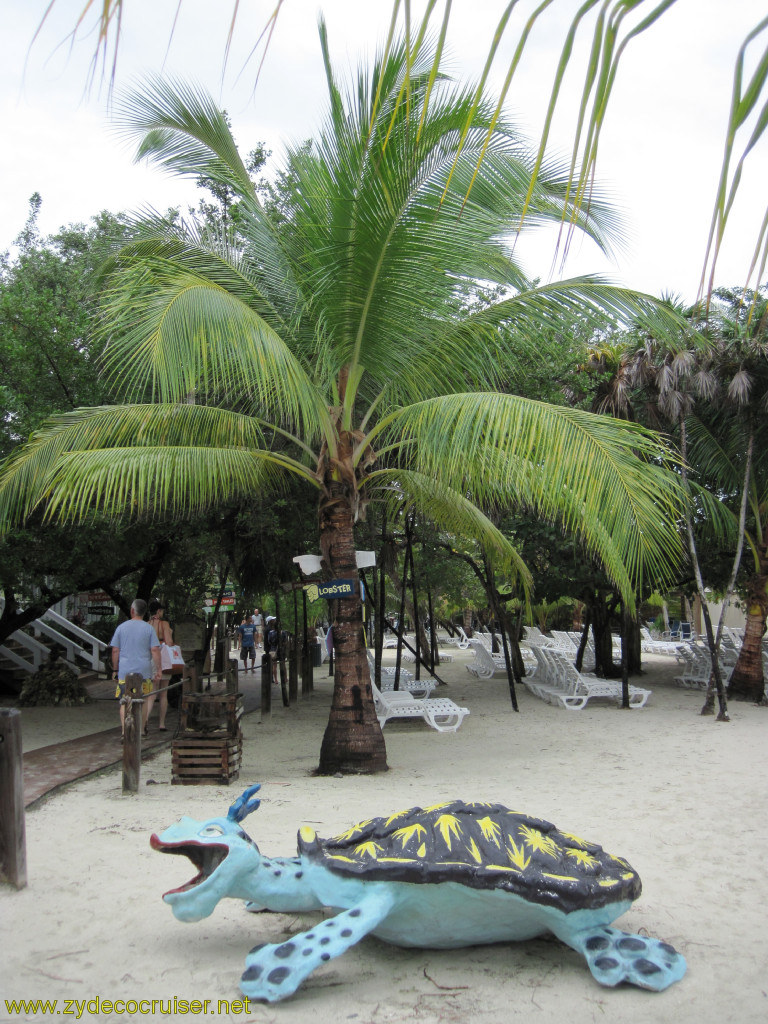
(331,590)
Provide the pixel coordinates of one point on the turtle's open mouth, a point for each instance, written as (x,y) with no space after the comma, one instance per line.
(205,856)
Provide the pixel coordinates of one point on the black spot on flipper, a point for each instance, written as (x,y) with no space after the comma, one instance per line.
(299,874)
(346,932)
(278,976)
(307,951)
(325,956)
(311,935)
(646,967)
(355,912)
(256,949)
(330,924)
(324,941)
(606,963)
(669,950)
(252,973)
(630,944)
(277,873)
(597,942)
(284,951)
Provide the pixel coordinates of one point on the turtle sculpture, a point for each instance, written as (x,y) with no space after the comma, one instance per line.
(455,874)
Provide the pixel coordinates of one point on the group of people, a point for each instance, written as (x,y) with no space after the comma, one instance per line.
(253,631)
(136,648)
(137,645)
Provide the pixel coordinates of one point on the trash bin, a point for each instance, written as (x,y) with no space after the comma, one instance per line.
(317,655)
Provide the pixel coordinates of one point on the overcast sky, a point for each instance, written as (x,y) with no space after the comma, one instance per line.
(660,156)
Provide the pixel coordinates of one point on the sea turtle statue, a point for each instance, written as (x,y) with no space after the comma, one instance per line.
(455,874)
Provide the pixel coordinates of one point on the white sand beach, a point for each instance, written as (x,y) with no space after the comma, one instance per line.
(681,797)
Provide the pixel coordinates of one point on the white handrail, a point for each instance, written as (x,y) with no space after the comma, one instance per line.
(92,652)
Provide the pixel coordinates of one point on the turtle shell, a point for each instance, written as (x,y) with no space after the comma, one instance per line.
(480,845)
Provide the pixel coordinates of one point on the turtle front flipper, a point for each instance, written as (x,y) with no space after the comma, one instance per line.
(273,972)
(615,956)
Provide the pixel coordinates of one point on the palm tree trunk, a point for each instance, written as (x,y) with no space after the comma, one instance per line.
(353,741)
(716,676)
(747,680)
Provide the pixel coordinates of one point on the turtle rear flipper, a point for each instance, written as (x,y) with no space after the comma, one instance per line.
(273,971)
(614,956)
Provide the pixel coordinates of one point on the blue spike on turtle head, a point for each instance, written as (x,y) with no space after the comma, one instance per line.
(244,804)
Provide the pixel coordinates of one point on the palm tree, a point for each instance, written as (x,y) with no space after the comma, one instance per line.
(330,342)
(731,446)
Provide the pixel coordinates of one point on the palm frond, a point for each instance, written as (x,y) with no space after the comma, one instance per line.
(122,436)
(179,127)
(450,511)
(596,475)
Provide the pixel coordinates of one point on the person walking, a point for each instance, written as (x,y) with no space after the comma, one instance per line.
(271,645)
(247,631)
(135,648)
(258,620)
(164,634)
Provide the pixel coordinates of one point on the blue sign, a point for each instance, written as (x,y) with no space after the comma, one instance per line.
(331,590)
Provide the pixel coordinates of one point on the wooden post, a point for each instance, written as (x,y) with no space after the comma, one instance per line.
(132,737)
(306,665)
(232,675)
(266,685)
(13,842)
(293,670)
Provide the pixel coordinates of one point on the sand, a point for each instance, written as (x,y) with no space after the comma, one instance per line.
(680,796)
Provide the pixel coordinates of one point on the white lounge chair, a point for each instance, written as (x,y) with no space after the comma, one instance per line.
(461,640)
(407,684)
(485,664)
(438,712)
(665,647)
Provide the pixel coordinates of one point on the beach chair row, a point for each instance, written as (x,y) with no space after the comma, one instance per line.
(559,682)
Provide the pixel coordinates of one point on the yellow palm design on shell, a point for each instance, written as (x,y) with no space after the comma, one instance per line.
(491,830)
(574,839)
(350,833)
(516,854)
(448,825)
(538,841)
(369,849)
(405,835)
(394,817)
(474,852)
(582,858)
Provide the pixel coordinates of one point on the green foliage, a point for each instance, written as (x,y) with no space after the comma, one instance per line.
(48,360)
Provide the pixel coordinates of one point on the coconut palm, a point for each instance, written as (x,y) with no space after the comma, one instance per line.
(332,342)
(731,447)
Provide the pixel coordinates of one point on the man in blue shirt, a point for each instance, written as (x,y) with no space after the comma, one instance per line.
(247,632)
(135,648)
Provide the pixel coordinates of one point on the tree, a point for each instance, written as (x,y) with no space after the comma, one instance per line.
(48,362)
(729,443)
(329,346)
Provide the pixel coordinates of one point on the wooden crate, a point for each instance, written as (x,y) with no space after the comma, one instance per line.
(206,760)
(214,713)
(208,748)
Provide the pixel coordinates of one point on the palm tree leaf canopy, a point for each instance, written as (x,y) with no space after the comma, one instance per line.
(565,464)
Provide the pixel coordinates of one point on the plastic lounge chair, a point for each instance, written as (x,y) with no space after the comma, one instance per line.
(485,663)
(407,684)
(439,713)
(666,647)
(461,640)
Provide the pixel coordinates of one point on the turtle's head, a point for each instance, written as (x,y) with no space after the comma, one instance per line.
(220,850)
